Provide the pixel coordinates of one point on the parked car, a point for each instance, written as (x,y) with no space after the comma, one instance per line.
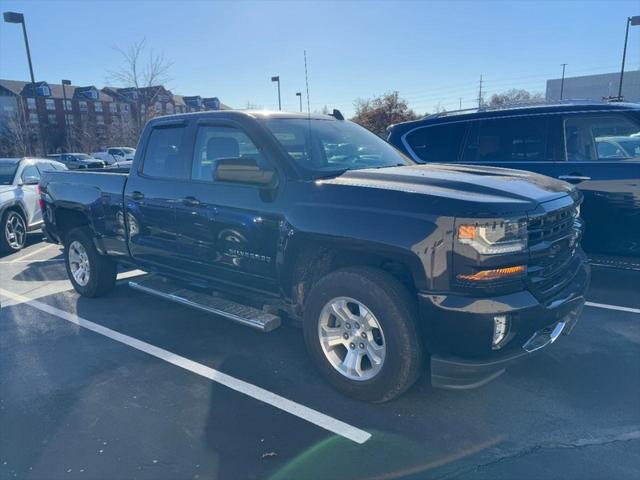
(315,218)
(19,208)
(75,161)
(572,141)
(117,156)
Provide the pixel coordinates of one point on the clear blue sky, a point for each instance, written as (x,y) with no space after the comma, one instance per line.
(431,52)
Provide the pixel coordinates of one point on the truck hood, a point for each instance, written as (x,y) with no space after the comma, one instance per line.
(466,183)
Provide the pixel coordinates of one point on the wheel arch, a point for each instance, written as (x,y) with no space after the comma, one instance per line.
(307,258)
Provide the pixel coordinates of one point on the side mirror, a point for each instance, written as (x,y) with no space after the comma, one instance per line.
(30,180)
(242,170)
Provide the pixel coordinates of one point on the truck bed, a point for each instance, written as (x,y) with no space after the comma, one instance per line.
(96,195)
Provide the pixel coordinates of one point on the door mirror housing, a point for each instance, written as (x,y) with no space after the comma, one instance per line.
(243,170)
(30,180)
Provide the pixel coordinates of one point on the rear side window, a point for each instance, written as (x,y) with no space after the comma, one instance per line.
(609,137)
(437,143)
(507,140)
(216,142)
(165,153)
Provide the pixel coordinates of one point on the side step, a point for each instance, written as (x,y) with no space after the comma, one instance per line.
(244,314)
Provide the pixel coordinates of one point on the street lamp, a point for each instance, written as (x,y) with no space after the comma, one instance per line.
(15,17)
(299,95)
(630,21)
(277,79)
(64,111)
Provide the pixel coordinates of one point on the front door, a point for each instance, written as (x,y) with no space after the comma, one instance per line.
(229,231)
(602,157)
(29,194)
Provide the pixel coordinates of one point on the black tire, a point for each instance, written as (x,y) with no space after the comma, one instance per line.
(394,309)
(5,245)
(102,274)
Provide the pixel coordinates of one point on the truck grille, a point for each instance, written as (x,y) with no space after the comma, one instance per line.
(553,241)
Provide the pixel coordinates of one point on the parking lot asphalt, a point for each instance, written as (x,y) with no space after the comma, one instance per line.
(131,386)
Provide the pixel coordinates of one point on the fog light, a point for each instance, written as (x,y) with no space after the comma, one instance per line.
(500,327)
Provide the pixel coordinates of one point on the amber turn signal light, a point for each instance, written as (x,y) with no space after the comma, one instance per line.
(493,274)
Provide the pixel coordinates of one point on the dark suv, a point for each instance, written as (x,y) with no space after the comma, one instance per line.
(595,146)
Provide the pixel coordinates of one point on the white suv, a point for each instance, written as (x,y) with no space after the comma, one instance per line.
(19,207)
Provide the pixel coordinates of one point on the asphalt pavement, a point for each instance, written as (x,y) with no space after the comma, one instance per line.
(132,386)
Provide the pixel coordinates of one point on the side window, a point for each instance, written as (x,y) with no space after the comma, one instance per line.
(601,137)
(165,154)
(30,171)
(437,143)
(507,140)
(216,142)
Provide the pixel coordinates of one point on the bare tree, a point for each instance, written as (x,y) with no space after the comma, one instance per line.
(514,97)
(16,135)
(141,67)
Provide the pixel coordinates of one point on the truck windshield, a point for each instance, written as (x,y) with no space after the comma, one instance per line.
(329,146)
(7,172)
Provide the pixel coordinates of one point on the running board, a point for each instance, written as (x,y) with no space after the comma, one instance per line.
(244,314)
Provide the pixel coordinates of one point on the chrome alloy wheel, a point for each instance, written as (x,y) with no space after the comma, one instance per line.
(15,231)
(79,263)
(351,338)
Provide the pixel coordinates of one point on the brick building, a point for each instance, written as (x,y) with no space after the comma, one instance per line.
(47,117)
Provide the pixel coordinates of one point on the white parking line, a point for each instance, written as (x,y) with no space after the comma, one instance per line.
(612,307)
(33,261)
(31,254)
(305,413)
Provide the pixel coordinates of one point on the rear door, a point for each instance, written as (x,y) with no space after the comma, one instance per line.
(151,194)
(229,231)
(601,155)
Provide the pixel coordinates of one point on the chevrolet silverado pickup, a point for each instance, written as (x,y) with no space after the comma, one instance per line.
(391,267)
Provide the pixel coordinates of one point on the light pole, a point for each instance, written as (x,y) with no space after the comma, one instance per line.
(630,21)
(15,17)
(562,81)
(64,112)
(299,95)
(277,79)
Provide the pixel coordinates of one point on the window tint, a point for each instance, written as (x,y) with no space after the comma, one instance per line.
(30,171)
(507,140)
(214,143)
(165,156)
(438,143)
(601,137)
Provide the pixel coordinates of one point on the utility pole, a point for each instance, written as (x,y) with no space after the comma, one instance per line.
(480,94)
(562,81)
(630,21)
(460,99)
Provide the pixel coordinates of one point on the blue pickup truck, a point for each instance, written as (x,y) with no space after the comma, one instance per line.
(595,146)
(387,264)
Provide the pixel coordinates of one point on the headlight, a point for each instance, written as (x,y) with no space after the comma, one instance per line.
(494,236)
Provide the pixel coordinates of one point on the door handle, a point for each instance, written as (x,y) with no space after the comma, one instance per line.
(573,178)
(137,196)
(191,201)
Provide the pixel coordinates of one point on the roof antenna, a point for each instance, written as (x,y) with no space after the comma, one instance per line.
(306,79)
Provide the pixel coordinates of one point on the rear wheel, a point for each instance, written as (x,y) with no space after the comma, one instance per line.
(14,232)
(91,274)
(360,328)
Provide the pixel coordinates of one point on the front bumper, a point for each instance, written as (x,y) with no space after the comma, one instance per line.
(459,330)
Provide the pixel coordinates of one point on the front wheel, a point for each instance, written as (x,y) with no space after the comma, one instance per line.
(360,328)
(91,274)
